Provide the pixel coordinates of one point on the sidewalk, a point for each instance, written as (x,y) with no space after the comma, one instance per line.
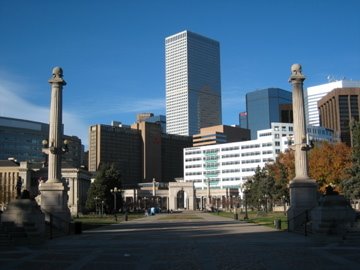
(198,241)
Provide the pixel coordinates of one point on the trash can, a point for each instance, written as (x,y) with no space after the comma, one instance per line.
(277,224)
(236,216)
(77,227)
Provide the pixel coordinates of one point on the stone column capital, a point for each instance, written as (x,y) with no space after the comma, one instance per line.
(297,79)
(57,76)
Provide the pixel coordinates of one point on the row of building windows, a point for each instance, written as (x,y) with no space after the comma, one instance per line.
(193,166)
(250,161)
(231,179)
(250,146)
(250,154)
(192,159)
(230,163)
(248,170)
(266,144)
(211,165)
(193,173)
(230,148)
(265,134)
(216,172)
(193,153)
(230,155)
(210,151)
(231,171)
(211,158)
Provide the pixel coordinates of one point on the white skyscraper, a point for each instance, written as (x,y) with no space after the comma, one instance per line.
(315,93)
(193,85)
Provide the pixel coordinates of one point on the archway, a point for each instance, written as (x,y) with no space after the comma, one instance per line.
(180,199)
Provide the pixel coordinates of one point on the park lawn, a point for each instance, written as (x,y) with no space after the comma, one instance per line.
(261,218)
(94,221)
(179,217)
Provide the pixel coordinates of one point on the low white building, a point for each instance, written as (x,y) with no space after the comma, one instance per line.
(229,165)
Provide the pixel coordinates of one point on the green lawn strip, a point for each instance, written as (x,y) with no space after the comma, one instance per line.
(266,219)
(92,221)
(179,217)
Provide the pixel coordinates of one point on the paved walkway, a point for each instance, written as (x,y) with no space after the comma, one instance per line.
(198,241)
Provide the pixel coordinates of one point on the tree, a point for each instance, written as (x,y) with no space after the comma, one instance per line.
(107,177)
(260,188)
(281,176)
(328,164)
(351,186)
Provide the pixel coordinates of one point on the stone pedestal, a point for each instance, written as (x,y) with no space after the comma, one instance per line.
(25,213)
(303,197)
(332,215)
(54,204)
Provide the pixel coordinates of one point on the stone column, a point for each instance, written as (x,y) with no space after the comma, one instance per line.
(54,197)
(302,188)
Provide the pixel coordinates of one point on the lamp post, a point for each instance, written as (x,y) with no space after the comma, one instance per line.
(96,205)
(266,203)
(236,216)
(102,208)
(115,191)
(246,212)
(284,202)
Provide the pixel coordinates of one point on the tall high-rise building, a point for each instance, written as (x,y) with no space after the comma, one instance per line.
(314,93)
(337,109)
(243,122)
(267,106)
(193,84)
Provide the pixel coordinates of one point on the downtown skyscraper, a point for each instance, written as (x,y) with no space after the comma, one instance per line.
(193,84)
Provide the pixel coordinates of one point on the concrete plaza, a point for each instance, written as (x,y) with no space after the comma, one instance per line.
(191,240)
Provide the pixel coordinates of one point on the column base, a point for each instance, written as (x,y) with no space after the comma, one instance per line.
(54,200)
(303,198)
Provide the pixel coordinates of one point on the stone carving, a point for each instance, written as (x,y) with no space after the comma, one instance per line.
(296,69)
(57,72)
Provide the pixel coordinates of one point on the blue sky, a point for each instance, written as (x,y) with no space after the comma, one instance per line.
(112,52)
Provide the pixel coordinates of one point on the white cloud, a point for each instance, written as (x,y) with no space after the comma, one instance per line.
(122,106)
(12,104)
(151,104)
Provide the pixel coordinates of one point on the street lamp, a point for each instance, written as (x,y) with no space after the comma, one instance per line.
(284,202)
(246,198)
(266,203)
(96,205)
(102,208)
(114,192)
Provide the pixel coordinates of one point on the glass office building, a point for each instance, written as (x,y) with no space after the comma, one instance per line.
(22,140)
(193,85)
(266,106)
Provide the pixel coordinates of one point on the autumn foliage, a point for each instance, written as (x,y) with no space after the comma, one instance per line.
(328,164)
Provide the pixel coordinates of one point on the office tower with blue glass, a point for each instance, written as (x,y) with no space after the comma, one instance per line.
(193,84)
(267,106)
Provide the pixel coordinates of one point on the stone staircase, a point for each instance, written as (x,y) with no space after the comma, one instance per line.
(11,234)
(5,239)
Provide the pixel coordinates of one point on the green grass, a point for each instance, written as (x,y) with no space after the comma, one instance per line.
(94,221)
(261,218)
(179,217)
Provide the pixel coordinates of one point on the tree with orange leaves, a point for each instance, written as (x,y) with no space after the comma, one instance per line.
(329,163)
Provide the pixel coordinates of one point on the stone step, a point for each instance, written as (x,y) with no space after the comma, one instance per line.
(18,234)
